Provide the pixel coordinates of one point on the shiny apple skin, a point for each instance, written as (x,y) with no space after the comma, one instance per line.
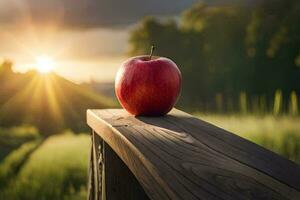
(148,87)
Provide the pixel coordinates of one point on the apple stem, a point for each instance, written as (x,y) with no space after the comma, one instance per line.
(152,50)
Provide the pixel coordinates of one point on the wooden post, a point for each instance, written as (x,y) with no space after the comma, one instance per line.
(120,183)
(109,177)
(181,157)
(95,169)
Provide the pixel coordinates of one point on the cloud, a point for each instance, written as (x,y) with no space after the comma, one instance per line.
(87,13)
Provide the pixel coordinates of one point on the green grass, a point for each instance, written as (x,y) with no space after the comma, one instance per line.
(14,161)
(56,170)
(14,137)
(279,134)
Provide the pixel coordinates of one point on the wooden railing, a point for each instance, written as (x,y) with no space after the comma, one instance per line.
(181,157)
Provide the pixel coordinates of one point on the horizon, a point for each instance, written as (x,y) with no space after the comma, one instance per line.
(102,71)
(96,54)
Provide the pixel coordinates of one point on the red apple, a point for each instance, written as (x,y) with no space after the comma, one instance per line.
(147,85)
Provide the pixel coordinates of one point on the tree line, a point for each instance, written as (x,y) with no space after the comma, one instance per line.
(232,58)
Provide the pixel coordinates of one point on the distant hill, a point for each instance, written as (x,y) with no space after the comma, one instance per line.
(105,88)
(49,102)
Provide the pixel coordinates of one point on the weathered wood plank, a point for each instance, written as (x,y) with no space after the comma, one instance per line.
(90,186)
(181,157)
(120,183)
(97,166)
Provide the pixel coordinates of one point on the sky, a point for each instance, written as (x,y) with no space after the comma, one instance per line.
(85,39)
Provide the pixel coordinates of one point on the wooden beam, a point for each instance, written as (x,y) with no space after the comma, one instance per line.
(181,157)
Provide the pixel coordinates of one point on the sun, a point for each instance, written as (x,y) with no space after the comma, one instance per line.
(44,64)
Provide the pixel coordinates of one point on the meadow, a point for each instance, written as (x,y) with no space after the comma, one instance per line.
(56,167)
(52,168)
(280,134)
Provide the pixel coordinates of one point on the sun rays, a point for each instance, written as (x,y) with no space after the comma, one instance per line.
(40,97)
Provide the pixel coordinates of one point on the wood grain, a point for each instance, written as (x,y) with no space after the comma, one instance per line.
(181,157)
(97,166)
(120,183)
(91,185)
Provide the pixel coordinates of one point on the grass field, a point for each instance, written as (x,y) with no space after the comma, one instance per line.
(56,168)
(14,137)
(280,134)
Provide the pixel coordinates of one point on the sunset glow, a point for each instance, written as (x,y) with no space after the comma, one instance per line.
(44,64)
